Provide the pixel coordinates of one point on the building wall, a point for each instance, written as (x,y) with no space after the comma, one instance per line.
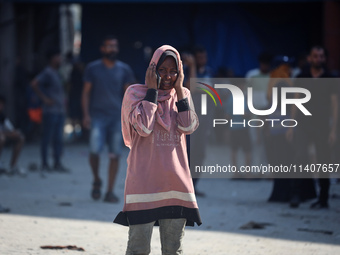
(7,53)
(332,34)
(234,34)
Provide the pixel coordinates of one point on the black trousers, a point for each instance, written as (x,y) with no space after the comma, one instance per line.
(304,136)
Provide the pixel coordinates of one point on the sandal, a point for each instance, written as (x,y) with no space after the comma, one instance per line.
(4,209)
(96,193)
(111,198)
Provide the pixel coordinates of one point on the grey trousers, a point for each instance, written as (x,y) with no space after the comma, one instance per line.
(171,234)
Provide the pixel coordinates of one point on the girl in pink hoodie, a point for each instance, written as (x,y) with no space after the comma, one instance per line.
(156,116)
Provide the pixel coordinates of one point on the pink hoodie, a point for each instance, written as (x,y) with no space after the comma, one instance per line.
(158,173)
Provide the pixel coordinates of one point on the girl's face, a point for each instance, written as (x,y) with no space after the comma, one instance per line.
(168,73)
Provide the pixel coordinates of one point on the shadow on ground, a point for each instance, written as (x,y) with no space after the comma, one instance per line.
(228,204)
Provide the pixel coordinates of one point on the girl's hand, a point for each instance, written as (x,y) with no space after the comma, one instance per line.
(179,82)
(150,77)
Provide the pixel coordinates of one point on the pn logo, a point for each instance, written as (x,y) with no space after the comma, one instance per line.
(239,99)
(204,97)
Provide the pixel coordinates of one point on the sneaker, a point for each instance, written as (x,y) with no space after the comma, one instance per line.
(2,167)
(60,168)
(199,193)
(96,192)
(111,198)
(33,167)
(45,168)
(18,170)
(319,205)
(295,202)
(4,210)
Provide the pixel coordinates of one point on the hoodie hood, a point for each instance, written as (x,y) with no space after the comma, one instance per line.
(159,52)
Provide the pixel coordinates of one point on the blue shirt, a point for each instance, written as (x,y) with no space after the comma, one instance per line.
(208,73)
(50,83)
(107,87)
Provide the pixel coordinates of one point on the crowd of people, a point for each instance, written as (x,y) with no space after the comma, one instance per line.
(95,98)
(313,140)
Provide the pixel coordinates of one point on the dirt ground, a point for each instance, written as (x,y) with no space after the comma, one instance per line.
(58,210)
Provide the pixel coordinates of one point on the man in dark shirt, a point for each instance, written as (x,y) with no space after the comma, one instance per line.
(49,88)
(201,59)
(320,128)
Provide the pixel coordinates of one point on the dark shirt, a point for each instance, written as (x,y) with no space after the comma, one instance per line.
(107,87)
(321,89)
(207,73)
(51,85)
